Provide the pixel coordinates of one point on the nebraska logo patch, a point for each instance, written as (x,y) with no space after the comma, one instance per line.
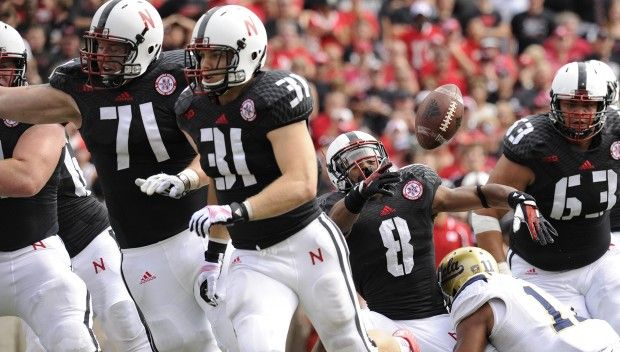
(248,111)
(165,84)
(615,150)
(10,123)
(413,190)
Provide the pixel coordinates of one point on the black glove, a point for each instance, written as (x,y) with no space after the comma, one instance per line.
(526,211)
(379,182)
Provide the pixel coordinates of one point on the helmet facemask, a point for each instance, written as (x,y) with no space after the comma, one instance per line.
(214,80)
(16,73)
(353,157)
(576,126)
(108,70)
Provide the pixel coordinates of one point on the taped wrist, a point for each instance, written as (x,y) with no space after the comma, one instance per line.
(353,201)
(190,179)
(215,251)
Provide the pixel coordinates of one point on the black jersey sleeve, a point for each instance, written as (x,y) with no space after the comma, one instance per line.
(287,99)
(181,106)
(421,171)
(524,140)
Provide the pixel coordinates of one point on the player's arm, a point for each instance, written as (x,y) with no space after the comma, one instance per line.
(472,332)
(175,186)
(485,222)
(343,217)
(39,103)
(34,159)
(296,159)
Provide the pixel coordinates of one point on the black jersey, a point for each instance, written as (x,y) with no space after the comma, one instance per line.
(391,248)
(81,217)
(574,190)
(236,153)
(131,132)
(26,220)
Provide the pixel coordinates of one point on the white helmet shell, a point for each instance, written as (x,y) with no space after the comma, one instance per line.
(133,22)
(346,151)
(233,28)
(612,80)
(12,47)
(580,82)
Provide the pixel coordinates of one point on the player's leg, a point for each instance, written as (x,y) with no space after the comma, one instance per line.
(52,299)
(261,307)
(99,266)
(603,288)
(326,288)
(33,344)
(561,284)
(160,278)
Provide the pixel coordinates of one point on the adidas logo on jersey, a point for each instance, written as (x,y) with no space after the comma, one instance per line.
(222,120)
(587,165)
(531,271)
(147,277)
(387,210)
(124,97)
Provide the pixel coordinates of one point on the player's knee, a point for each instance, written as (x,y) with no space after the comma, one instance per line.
(70,336)
(122,322)
(336,306)
(255,335)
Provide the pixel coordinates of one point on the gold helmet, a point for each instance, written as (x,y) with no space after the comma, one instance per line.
(458,266)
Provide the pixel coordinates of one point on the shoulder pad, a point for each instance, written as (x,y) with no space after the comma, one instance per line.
(183,102)
(287,96)
(172,60)
(473,295)
(528,137)
(421,171)
(64,71)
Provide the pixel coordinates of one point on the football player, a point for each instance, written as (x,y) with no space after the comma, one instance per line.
(567,159)
(250,129)
(390,237)
(95,257)
(36,278)
(490,307)
(120,93)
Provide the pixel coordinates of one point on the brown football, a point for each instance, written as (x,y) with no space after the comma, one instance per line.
(439,116)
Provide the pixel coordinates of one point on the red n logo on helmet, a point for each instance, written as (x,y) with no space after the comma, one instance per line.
(250,26)
(147,19)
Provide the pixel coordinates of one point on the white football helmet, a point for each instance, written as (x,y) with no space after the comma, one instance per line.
(135,23)
(612,80)
(579,82)
(458,266)
(347,151)
(12,47)
(232,33)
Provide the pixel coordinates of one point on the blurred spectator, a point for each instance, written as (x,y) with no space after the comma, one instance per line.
(565,45)
(450,233)
(334,119)
(542,74)
(82,13)
(69,47)
(37,39)
(533,25)
(602,50)
(177,31)
(419,35)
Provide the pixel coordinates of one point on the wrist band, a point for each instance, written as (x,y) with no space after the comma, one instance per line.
(354,202)
(215,250)
(190,179)
(248,209)
(482,197)
(484,223)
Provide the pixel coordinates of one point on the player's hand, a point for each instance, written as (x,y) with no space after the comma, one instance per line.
(206,284)
(379,182)
(164,184)
(526,211)
(202,220)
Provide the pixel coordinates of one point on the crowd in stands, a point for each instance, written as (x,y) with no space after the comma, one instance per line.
(371,62)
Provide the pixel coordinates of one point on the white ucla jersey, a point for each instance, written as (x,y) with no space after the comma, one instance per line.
(526,318)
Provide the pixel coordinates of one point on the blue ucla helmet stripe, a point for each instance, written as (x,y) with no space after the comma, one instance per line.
(203,24)
(582,76)
(106,12)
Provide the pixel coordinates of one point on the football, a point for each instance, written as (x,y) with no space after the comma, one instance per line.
(439,116)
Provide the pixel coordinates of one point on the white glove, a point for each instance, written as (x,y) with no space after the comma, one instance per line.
(202,220)
(206,283)
(164,184)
